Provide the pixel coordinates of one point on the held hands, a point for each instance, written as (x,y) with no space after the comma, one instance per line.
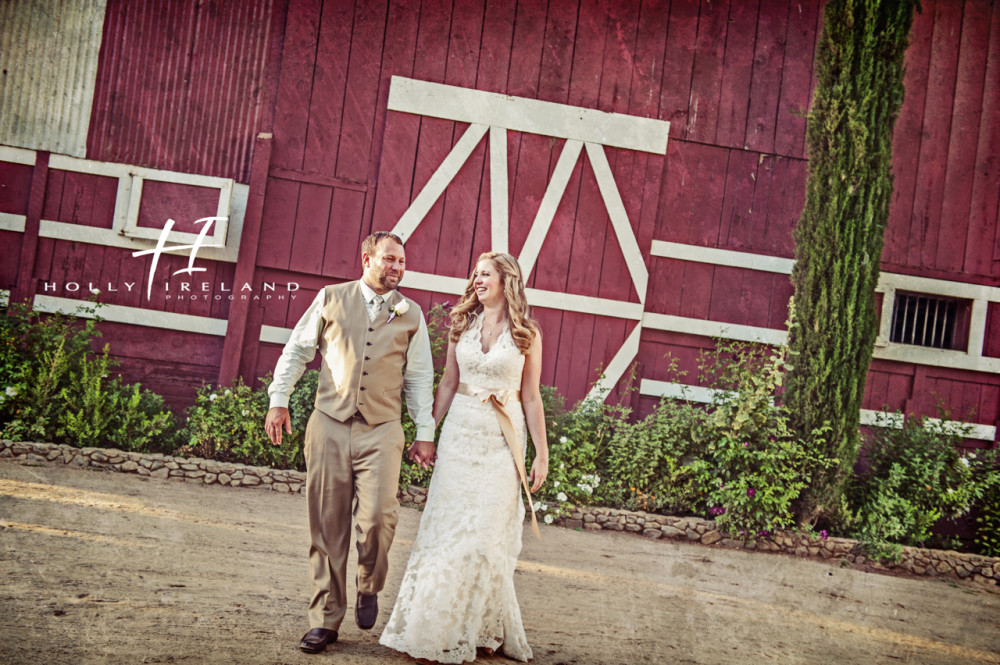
(539,472)
(276,417)
(422,453)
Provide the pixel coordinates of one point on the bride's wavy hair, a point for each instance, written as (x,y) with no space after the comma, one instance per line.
(523,327)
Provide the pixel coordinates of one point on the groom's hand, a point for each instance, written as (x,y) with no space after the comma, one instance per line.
(277,418)
(422,453)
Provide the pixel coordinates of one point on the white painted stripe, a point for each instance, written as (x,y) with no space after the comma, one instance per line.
(17,155)
(275,335)
(499,214)
(873,418)
(619,218)
(938,287)
(722,257)
(108,238)
(906,353)
(616,368)
(714,329)
(9,222)
(869,417)
(423,281)
(133,315)
(547,208)
(520,114)
(442,177)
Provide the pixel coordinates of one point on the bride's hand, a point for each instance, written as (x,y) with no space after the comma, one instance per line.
(539,472)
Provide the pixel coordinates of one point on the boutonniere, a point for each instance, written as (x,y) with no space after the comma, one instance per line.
(398,310)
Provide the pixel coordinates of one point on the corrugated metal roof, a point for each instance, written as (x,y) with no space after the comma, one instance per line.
(48,56)
(181,84)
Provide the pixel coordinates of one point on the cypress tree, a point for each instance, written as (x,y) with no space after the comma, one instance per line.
(838,240)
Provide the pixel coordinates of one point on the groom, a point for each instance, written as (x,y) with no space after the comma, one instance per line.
(366,333)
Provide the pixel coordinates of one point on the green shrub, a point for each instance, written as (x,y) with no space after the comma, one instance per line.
(985,468)
(914,476)
(227,424)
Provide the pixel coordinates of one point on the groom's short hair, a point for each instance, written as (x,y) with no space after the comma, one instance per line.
(370,243)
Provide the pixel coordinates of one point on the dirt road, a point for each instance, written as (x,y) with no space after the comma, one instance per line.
(97,567)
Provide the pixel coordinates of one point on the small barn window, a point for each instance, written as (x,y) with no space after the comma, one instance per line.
(931,321)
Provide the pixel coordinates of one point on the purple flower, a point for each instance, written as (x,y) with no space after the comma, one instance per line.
(746,444)
(823,534)
(751,492)
(718,510)
(764,534)
(772,438)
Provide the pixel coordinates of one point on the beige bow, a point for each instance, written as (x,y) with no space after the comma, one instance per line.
(499,399)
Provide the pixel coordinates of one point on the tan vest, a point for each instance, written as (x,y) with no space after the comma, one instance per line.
(363,360)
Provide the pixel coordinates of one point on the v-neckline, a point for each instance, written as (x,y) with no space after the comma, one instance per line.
(495,342)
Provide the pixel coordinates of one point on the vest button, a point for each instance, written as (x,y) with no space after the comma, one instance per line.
(371,330)
(364,373)
(362,387)
(368,343)
(367,358)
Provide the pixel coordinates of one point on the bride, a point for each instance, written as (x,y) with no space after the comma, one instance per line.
(457,593)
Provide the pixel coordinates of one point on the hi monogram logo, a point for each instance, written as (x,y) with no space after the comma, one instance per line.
(161,247)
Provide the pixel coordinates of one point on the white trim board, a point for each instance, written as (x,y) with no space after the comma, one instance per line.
(532,116)
(133,315)
(872,418)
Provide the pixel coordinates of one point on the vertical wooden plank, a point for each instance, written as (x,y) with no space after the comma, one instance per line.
(706,78)
(280,205)
(675,89)
(435,135)
(796,78)
(312,218)
(496,46)
(735,230)
(666,277)
(696,290)
(398,54)
(780,238)
(461,198)
(726,295)
(980,253)
(959,171)
(769,56)
(25,288)
(361,91)
(736,74)
(291,120)
(342,257)
(780,295)
(708,195)
(755,297)
(929,196)
(876,391)
(906,139)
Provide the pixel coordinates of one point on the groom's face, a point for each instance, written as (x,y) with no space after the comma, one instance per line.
(386,266)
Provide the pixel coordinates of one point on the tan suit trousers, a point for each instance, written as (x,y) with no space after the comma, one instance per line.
(352,468)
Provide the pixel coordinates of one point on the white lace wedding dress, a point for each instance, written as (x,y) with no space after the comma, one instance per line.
(458,589)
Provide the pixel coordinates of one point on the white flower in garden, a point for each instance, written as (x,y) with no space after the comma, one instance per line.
(244,412)
(11,391)
(541,506)
(562,439)
(972,455)
(549,519)
(228,392)
(212,397)
(586,488)
(964,461)
(951,491)
(562,496)
(556,484)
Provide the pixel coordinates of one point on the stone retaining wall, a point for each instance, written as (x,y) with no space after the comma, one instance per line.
(984,570)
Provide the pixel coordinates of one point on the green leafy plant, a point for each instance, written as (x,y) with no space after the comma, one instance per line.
(912,477)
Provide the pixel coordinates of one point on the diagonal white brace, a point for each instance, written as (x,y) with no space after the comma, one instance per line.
(445,173)
(547,208)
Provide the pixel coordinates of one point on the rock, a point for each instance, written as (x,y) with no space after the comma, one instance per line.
(711,537)
(6,453)
(295,488)
(98,457)
(601,519)
(172,465)
(54,453)
(963,572)
(238,474)
(32,458)
(130,466)
(162,472)
(148,463)
(189,467)
(614,526)
(250,481)
(157,464)
(280,487)
(210,478)
(671,531)
(729,542)
(652,533)
(692,534)
(573,523)
(801,551)
(81,460)
(592,526)
(588,518)
(634,528)
(143,471)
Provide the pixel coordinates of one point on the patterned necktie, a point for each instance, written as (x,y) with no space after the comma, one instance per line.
(376,307)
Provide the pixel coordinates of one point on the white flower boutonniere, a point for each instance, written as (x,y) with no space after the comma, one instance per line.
(398,309)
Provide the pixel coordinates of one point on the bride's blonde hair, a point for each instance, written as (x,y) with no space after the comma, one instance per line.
(523,327)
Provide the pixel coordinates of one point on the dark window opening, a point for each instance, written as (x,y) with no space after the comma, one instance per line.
(931,321)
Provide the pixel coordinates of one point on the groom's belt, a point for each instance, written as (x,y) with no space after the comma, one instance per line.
(499,399)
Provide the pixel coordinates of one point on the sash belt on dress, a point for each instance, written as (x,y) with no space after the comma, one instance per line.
(499,399)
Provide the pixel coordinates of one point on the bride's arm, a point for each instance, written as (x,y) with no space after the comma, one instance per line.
(534,413)
(448,386)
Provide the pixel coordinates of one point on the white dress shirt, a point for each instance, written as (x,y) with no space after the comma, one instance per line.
(300,349)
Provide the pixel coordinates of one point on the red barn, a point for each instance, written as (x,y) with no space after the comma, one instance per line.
(208,165)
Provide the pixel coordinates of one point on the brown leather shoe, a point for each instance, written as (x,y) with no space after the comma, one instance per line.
(366,610)
(316,639)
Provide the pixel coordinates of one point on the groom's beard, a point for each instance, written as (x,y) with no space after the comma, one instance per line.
(385,280)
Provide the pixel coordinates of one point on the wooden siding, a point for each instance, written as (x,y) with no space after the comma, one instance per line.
(181,85)
(733,79)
